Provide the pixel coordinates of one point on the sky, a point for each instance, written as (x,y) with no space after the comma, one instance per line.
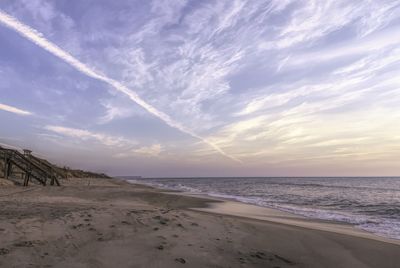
(167,88)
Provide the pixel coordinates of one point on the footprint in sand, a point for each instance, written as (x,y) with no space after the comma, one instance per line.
(283,259)
(161,220)
(180,260)
(4,251)
(27,244)
(258,255)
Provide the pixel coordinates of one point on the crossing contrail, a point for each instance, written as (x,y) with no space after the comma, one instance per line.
(37,38)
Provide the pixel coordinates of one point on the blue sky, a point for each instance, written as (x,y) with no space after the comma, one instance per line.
(204,88)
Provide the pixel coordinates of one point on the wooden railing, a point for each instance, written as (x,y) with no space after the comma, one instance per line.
(29,165)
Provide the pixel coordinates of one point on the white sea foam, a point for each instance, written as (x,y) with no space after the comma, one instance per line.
(337,203)
(383,227)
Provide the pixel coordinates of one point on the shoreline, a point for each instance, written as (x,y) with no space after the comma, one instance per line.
(235,208)
(113,223)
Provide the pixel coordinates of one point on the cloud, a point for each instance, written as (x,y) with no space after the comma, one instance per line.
(210,69)
(153,150)
(39,40)
(43,14)
(115,110)
(14,110)
(183,65)
(148,151)
(86,135)
(306,134)
(357,47)
(314,19)
(267,81)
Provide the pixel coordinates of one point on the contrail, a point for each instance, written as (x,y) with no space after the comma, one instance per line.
(12,109)
(37,38)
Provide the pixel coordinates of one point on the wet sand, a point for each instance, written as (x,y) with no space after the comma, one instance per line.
(234,208)
(109,223)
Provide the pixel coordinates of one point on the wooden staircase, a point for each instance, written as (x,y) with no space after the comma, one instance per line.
(33,168)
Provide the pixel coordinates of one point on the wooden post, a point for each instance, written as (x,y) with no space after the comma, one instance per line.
(28,169)
(5,168)
(9,169)
(27,177)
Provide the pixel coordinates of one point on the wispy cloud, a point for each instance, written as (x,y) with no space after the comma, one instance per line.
(114,111)
(181,65)
(270,82)
(153,150)
(306,27)
(85,135)
(15,110)
(39,40)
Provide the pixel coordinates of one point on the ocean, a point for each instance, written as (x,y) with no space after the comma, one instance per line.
(370,203)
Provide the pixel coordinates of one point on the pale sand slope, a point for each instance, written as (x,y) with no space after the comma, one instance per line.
(114,224)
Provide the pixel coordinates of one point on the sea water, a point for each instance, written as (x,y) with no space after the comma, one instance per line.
(370,203)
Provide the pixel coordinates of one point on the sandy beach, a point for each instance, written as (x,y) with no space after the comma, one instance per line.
(111,223)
